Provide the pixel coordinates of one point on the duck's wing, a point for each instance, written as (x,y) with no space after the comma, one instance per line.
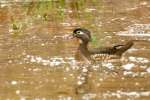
(117,49)
(103,50)
(120,49)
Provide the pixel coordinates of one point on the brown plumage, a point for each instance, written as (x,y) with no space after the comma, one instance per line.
(97,53)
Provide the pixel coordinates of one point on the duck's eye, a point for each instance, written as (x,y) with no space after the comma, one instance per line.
(79,32)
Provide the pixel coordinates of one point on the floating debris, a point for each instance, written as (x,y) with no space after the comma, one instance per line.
(139,30)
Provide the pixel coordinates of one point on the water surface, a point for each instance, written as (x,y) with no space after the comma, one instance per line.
(37,62)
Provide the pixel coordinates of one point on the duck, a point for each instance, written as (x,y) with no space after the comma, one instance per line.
(97,54)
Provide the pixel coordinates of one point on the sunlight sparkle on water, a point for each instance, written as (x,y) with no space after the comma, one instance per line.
(120,94)
(148,70)
(138,59)
(13,82)
(128,66)
(17,91)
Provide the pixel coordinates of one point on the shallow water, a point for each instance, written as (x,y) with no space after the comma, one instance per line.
(37,62)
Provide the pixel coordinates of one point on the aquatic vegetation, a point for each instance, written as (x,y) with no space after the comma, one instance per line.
(15,28)
(94,41)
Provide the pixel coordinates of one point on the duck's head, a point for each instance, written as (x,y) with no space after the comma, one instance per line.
(83,34)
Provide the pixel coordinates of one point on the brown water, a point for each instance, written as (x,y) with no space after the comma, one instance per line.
(37,62)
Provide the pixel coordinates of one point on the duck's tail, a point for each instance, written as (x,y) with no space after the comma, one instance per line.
(123,48)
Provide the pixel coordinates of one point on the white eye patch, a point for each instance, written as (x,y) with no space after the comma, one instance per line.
(80,32)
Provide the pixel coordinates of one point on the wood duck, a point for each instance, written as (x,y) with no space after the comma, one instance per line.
(97,54)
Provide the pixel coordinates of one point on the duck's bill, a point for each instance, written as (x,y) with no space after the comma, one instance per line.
(68,37)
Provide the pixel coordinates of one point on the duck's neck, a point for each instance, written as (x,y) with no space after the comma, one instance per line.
(83,48)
